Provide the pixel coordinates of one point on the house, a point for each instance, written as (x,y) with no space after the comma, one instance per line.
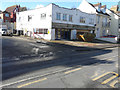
(5,16)
(114,27)
(116,11)
(13,9)
(6,20)
(54,22)
(102,18)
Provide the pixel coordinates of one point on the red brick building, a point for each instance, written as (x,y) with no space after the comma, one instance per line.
(13,9)
(5,16)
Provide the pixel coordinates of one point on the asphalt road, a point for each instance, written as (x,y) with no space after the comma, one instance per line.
(27,64)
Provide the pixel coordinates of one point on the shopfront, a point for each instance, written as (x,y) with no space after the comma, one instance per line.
(62,34)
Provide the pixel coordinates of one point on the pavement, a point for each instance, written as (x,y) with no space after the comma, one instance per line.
(27,63)
(94,44)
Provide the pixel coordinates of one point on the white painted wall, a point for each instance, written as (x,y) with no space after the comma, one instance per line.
(75,13)
(114,23)
(36,21)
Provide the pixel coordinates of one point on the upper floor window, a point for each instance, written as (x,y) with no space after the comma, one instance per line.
(58,16)
(82,19)
(70,18)
(98,20)
(29,17)
(64,17)
(43,15)
(6,15)
(19,19)
(91,21)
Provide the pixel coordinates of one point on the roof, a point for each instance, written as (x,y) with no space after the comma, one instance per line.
(103,6)
(114,8)
(118,12)
(114,12)
(100,12)
(11,8)
(22,9)
(96,4)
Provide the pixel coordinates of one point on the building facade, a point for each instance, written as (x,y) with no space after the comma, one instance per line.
(102,18)
(55,22)
(114,27)
(6,20)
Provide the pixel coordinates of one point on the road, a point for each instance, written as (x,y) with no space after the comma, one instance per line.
(27,64)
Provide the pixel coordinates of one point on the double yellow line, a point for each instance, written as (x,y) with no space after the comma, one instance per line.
(112,84)
(31,83)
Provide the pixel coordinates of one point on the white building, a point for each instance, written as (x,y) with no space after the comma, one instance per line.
(114,27)
(102,18)
(54,22)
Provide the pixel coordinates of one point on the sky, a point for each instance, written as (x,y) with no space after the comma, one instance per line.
(31,4)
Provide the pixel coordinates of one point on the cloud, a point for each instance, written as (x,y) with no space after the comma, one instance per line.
(39,6)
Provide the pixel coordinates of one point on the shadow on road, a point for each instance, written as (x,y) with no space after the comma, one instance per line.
(70,56)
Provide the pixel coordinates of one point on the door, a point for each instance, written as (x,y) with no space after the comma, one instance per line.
(98,33)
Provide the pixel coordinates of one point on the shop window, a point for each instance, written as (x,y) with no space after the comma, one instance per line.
(40,31)
(45,31)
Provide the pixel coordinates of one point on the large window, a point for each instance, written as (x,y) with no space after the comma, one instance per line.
(40,31)
(58,16)
(70,18)
(82,19)
(64,17)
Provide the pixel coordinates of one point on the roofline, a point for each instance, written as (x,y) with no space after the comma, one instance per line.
(59,7)
(114,12)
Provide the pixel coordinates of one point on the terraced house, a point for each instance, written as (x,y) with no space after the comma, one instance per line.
(102,27)
(54,22)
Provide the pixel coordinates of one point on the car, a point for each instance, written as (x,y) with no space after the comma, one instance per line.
(4,31)
(117,39)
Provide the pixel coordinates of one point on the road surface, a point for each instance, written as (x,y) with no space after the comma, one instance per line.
(27,64)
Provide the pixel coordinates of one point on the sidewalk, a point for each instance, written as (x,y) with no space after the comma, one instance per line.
(95,44)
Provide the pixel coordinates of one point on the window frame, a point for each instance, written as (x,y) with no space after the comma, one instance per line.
(70,18)
(58,16)
(64,17)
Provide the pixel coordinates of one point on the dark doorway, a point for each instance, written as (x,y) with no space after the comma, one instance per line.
(62,34)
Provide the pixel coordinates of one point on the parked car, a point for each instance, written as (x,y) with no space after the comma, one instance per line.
(4,31)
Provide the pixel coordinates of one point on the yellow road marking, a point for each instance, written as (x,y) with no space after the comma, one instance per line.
(31,83)
(103,75)
(109,79)
(72,70)
(113,83)
(100,76)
